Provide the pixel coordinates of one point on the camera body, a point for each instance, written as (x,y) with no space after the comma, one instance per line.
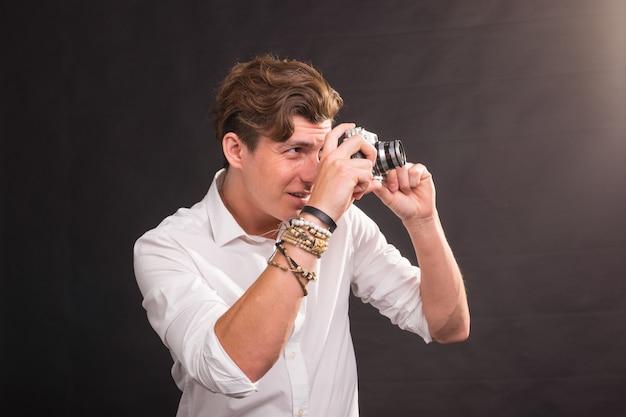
(389,155)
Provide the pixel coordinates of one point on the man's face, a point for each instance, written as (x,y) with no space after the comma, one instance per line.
(278,176)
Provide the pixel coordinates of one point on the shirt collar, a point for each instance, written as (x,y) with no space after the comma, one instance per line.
(223,225)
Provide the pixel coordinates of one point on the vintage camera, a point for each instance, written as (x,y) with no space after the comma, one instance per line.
(390,155)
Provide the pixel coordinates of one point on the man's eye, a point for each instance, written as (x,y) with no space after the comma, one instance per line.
(295,150)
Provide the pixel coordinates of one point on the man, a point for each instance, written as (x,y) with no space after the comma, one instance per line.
(249,288)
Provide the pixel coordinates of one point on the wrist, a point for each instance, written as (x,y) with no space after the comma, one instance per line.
(423,224)
(312,213)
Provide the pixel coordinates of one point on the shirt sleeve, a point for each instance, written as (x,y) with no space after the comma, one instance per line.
(183,309)
(384,278)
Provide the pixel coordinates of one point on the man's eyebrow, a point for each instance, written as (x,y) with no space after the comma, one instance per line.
(300,143)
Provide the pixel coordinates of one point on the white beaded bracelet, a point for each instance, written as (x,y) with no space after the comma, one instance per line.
(301,222)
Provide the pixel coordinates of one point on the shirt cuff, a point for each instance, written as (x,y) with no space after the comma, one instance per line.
(228,378)
(192,339)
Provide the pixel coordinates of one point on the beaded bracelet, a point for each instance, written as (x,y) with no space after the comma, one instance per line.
(284,268)
(295,268)
(317,248)
(302,238)
(313,228)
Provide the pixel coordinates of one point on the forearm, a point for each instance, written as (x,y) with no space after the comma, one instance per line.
(256,328)
(442,288)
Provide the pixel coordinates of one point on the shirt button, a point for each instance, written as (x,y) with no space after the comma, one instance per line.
(300,412)
(292,355)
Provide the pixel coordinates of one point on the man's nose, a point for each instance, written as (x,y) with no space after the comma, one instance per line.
(309,171)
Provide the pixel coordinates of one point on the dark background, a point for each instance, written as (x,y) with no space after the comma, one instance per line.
(517,107)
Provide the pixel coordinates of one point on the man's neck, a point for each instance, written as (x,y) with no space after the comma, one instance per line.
(231,197)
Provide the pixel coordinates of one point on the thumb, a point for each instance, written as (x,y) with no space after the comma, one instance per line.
(384,195)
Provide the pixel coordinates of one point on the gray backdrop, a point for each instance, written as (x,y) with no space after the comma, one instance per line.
(517,107)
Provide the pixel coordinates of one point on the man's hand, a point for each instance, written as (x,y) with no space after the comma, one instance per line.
(341,179)
(409,192)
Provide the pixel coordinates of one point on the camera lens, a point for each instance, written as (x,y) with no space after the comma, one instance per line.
(390,155)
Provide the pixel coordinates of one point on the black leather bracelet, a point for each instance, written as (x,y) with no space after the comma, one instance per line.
(321,216)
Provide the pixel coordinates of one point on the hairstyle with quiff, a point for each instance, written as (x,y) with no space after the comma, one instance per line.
(261,97)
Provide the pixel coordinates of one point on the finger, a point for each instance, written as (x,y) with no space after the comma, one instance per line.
(391,180)
(419,173)
(364,187)
(358,144)
(384,194)
(365,148)
(404,176)
(332,138)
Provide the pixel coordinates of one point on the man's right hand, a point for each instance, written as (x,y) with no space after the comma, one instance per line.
(340,178)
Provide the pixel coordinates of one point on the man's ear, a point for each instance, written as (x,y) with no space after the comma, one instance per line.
(233,148)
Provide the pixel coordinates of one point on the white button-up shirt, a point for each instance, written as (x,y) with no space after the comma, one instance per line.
(199,261)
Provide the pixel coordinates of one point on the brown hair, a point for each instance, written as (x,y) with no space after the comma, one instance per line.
(261,97)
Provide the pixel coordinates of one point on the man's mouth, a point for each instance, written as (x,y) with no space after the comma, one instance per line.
(300,195)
